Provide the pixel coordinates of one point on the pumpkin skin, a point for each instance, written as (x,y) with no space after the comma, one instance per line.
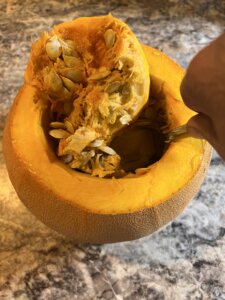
(97,210)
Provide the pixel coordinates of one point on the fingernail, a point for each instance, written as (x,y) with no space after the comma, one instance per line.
(194,132)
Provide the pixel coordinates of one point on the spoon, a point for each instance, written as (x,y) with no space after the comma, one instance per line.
(170,135)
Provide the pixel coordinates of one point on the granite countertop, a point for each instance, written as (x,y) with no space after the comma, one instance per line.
(186,259)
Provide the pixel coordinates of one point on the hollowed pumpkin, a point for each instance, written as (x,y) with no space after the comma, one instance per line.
(104,210)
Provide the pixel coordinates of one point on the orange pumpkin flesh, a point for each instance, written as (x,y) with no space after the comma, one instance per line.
(94,210)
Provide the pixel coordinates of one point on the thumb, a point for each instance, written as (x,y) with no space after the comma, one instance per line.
(200,126)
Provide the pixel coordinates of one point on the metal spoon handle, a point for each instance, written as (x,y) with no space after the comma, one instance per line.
(171,135)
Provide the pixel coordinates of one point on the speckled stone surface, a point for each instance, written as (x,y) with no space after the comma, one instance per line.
(186,259)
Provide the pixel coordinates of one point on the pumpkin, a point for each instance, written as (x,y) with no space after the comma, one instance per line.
(90,209)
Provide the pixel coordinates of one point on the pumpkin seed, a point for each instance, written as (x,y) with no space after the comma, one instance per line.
(110,38)
(113,87)
(100,75)
(59,133)
(72,61)
(97,143)
(75,164)
(74,75)
(66,94)
(107,150)
(53,48)
(68,107)
(57,125)
(53,81)
(69,84)
(68,48)
(69,126)
(125,119)
(67,158)
(70,52)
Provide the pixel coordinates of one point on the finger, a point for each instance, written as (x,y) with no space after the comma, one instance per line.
(200,126)
(194,88)
(201,88)
(192,92)
(186,91)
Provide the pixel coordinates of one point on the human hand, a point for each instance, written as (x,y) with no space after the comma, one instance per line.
(203,90)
